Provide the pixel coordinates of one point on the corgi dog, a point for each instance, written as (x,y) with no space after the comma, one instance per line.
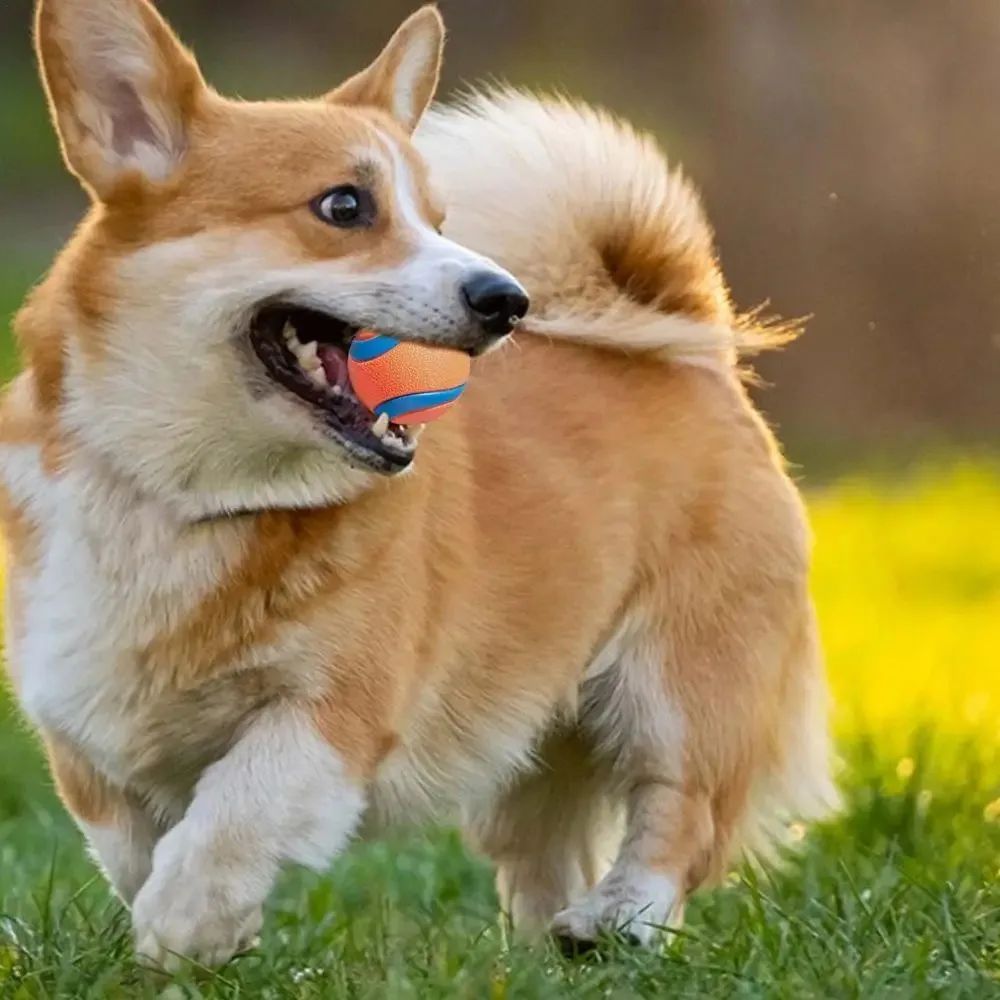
(247,619)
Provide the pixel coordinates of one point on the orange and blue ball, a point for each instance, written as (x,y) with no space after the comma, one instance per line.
(412,383)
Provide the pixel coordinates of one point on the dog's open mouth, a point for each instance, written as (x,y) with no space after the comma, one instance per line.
(305,352)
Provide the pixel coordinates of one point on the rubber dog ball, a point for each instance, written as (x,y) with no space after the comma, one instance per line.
(412,383)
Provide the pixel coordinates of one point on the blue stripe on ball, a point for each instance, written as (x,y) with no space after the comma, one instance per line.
(372,348)
(412,401)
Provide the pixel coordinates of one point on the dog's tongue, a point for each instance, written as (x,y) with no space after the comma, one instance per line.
(334,364)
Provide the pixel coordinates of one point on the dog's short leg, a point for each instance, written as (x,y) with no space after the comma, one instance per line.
(668,832)
(124,849)
(551,834)
(638,726)
(120,833)
(281,794)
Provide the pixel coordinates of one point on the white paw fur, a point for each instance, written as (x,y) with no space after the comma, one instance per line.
(632,901)
(196,906)
(280,795)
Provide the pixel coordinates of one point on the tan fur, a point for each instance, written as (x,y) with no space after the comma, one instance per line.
(88,795)
(171,90)
(590,597)
(644,231)
(415,50)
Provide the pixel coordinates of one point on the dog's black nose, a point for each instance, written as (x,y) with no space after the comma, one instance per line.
(497,301)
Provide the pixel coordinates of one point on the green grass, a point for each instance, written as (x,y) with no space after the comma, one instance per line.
(15,277)
(897,897)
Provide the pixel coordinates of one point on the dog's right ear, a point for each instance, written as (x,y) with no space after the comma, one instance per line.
(121,87)
(403,78)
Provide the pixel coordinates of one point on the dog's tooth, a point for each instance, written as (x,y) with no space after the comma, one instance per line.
(318,376)
(381,425)
(289,332)
(307,355)
(337,389)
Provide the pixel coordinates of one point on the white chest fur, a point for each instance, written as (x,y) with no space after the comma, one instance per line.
(109,574)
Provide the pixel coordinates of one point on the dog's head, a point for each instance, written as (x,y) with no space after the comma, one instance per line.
(205,307)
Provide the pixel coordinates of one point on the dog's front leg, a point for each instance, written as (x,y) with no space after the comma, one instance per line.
(121,833)
(281,794)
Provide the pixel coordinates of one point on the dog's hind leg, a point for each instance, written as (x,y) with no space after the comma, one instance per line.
(668,830)
(638,735)
(551,835)
(711,720)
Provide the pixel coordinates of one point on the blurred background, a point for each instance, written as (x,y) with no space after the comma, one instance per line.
(849,157)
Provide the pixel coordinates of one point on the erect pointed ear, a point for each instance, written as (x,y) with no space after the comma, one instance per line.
(121,87)
(402,80)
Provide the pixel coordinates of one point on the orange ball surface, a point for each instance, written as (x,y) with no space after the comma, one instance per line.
(413,383)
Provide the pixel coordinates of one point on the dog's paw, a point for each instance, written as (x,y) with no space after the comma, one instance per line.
(193,908)
(182,925)
(635,905)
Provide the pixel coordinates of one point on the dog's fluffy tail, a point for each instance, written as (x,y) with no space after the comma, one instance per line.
(611,243)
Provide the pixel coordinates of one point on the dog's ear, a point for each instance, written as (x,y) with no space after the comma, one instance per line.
(121,87)
(403,78)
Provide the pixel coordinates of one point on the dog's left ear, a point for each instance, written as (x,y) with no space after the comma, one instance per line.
(123,90)
(403,78)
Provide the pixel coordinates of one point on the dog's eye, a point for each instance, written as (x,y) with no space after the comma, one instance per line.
(345,206)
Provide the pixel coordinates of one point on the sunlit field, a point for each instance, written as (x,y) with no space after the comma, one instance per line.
(907,578)
(897,897)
